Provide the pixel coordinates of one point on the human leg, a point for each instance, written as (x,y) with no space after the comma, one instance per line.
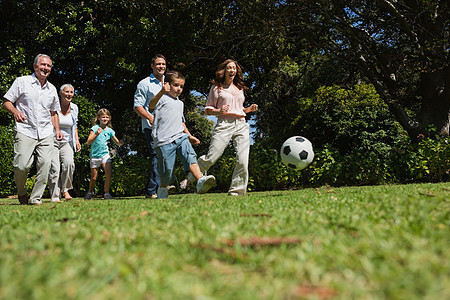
(219,141)
(94,174)
(153,176)
(67,169)
(241,142)
(54,174)
(166,160)
(44,154)
(221,137)
(23,160)
(108,174)
(188,158)
(204,183)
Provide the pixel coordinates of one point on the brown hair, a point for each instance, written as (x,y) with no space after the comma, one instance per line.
(154,58)
(220,75)
(171,75)
(101,112)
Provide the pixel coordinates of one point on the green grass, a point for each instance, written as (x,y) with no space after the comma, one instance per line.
(382,242)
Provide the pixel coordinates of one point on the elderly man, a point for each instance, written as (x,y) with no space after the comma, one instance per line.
(34,103)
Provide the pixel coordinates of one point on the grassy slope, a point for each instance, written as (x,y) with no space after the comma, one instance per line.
(382,242)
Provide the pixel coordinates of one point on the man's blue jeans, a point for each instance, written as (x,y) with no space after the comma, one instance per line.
(153,177)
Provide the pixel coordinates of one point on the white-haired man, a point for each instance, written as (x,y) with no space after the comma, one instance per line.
(34,103)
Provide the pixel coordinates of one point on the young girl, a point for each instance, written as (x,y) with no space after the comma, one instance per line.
(98,138)
(172,137)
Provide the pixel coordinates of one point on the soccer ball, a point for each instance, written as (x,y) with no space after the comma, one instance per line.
(297,152)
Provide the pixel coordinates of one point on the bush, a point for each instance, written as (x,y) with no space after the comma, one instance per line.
(7,186)
(427,161)
(129,175)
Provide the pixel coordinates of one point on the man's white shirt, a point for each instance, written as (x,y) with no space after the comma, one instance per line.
(36,103)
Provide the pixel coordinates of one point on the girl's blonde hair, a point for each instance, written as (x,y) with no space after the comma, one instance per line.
(101,112)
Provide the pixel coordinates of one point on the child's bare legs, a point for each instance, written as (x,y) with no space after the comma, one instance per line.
(195,171)
(204,183)
(94,174)
(108,174)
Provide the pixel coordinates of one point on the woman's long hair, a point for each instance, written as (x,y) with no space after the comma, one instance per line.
(220,75)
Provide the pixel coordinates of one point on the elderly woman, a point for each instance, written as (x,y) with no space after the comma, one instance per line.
(63,165)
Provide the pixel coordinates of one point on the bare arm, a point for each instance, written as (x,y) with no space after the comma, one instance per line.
(9,107)
(78,145)
(116,140)
(93,135)
(217,111)
(55,122)
(144,114)
(192,139)
(251,108)
(155,99)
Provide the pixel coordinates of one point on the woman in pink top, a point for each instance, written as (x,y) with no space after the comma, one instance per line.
(226,101)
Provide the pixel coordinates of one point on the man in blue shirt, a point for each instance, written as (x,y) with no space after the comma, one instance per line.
(147,88)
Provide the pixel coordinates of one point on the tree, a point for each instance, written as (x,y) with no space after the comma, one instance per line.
(103,48)
(401,47)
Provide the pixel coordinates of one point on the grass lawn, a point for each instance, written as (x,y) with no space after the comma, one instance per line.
(381,242)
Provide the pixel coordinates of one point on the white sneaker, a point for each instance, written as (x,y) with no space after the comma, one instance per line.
(107,196)
(205,183)
(163,193)
(171,189)
(184,184)
(236,194)
(89,195)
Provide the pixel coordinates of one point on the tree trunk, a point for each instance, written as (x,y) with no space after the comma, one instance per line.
(435,93)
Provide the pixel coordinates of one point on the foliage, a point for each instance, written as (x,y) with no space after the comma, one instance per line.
(350,120)
(7,186)
(383,242)
(267,172)
(427,161)
(129,175)
(355,168)
(401,47)
(289,51)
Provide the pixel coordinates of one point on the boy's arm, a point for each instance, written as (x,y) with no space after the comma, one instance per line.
(192,139)
(155,99)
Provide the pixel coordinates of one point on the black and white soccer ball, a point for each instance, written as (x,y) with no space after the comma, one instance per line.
(297,152)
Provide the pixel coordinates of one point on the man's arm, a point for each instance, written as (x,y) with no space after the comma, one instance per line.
(9,107)
(144,114)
